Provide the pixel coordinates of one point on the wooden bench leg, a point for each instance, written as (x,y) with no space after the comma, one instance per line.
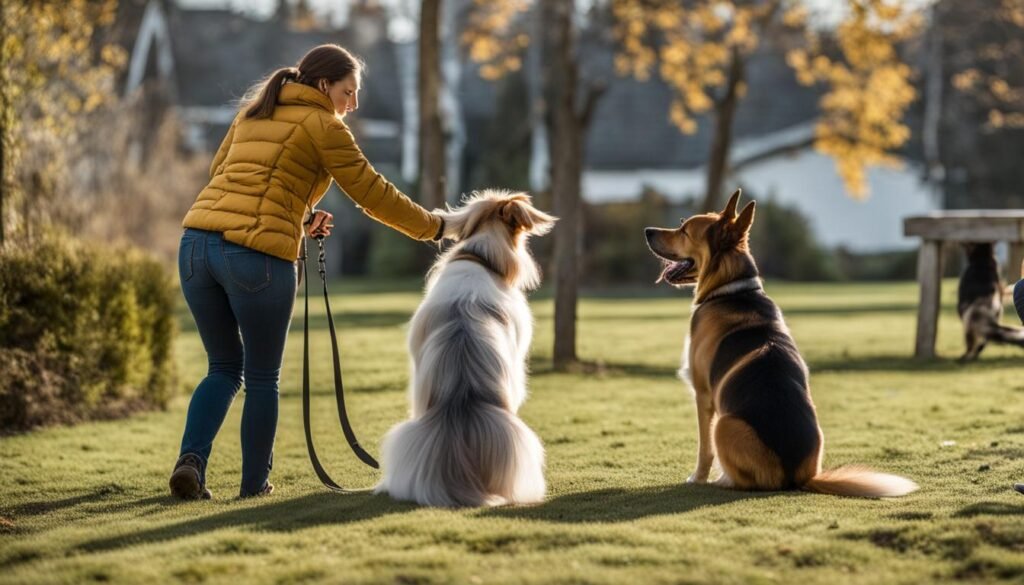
(929,277)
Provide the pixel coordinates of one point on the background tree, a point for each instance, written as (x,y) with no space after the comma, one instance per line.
(976,76)
(988,58)
(431,131)
(701,49)
(869,87)
(497,43)
(55,75)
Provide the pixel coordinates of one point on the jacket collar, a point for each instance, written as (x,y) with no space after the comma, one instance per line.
(298,94)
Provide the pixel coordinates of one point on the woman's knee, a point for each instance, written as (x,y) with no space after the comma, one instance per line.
(263,382)
(230,371)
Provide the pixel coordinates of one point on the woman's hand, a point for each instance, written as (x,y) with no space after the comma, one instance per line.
(449,229)
(320,224)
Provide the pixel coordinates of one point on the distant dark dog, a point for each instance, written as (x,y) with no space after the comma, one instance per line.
(980,302)
(744,367)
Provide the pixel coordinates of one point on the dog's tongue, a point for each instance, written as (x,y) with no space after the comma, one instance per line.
(677,270)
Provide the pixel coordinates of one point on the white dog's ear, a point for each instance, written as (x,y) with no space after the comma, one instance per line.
(520,215)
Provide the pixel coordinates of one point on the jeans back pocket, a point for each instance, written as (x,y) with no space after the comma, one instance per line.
(247,268)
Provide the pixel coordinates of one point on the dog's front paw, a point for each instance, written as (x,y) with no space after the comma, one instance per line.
(697,477)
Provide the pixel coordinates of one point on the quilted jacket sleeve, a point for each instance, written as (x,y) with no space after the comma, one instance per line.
(378,198)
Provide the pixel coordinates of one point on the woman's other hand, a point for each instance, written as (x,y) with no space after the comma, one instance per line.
(320,224)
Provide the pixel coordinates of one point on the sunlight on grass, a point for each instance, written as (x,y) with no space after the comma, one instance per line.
(90,503)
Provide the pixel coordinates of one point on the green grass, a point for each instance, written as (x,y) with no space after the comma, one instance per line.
(90,503)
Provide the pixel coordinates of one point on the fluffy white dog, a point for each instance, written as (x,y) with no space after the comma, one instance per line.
(463,444)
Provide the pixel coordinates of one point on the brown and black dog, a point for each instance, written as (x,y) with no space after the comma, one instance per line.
(980,302)
(744,368)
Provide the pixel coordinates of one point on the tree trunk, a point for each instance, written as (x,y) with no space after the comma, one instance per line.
(566,155)
(721,142)
(432,143)
(3,181)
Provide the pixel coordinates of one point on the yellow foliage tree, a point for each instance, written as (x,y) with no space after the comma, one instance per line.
(868,88)
(56,71)
(700,49)
(490,38)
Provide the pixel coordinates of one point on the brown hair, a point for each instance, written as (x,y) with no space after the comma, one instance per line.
(330,62)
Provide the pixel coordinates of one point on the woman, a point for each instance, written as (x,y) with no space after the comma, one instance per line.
(242,237)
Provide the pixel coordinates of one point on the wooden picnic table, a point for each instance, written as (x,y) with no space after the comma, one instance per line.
(935,230)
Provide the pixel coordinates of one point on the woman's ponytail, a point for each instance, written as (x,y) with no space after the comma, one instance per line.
(326,62)
(262,98)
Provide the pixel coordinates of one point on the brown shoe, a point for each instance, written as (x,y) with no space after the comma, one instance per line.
(186,479)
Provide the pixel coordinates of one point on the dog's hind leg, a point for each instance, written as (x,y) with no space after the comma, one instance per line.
(975,343)
(724,481)
(974,334)
(744,458)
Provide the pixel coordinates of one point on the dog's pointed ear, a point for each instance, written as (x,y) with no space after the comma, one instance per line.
(730,208)
(745,219)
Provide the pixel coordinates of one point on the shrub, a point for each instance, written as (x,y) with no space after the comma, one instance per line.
(615,248)
(86,331)
(890,265)
(782,241)
(394,255)
(785,247)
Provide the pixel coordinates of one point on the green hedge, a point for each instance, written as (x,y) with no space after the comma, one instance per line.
(86,331)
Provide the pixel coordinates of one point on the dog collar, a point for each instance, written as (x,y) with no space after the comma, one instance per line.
(736,286)
(464,255)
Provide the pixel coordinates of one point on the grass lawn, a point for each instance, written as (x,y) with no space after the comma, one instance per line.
(90,503)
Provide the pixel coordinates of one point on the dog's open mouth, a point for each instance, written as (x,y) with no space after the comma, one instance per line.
(678,272)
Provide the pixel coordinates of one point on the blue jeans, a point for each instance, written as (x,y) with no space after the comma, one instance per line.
(242,302)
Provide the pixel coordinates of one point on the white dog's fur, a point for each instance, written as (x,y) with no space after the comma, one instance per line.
(463,444)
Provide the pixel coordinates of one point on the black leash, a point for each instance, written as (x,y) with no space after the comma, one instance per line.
(339,389)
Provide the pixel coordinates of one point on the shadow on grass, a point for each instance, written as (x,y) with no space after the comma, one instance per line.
(890,363)
(324,386)
(280,516)
(795,310)
(543,366)
(50,505)
(624,505)
(989,509)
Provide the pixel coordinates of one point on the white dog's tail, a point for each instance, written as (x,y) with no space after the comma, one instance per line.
(459,455)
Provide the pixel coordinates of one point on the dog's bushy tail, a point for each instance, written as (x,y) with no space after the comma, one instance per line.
(479,456)
(855,480)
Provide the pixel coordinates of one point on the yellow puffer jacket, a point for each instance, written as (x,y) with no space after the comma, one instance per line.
(269,171)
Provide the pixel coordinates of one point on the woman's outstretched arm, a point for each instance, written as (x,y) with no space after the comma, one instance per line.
(378,198)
